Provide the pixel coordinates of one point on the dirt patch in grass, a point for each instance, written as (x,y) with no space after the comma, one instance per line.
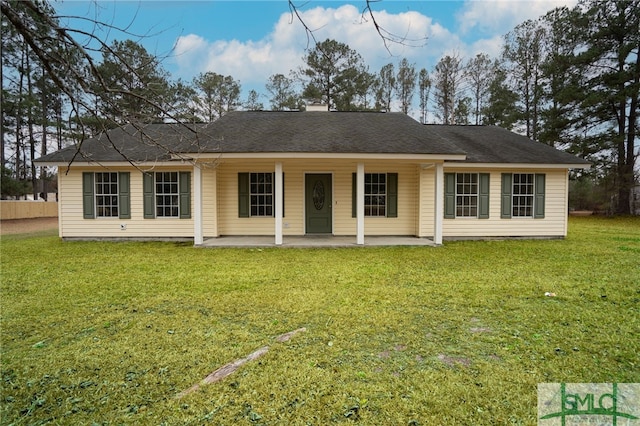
(480,330)
(28,226)
(453,360)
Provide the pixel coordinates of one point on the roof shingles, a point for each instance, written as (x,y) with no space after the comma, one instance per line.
(312,132)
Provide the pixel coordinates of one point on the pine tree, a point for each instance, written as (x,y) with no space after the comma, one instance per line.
(405,84)
(331,68)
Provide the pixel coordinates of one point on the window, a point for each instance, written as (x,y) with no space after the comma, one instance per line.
(375,194)
(106,193)
(261,194)
(523,195)
(466,194)
(380,195)
(257,194)
(522,203)
(167,194)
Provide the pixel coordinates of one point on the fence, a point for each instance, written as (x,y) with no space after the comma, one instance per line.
(27,209)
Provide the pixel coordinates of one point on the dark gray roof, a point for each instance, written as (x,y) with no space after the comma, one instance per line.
(492,144)
(321,132)
(311,132)
(148,142)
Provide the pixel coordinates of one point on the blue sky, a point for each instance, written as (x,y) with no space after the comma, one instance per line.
(251,40)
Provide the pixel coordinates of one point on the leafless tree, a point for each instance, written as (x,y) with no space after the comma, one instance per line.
(67,55)
(72,68)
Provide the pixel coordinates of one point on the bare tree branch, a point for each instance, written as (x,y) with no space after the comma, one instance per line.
(387,37)
(368,14)
(68,77)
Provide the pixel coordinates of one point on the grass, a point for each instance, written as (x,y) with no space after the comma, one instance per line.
(110,333)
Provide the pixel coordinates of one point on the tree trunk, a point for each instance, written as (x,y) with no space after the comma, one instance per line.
(626,154)
(19,116)
(43,146)
(2,130)
(32,140)
(58,107)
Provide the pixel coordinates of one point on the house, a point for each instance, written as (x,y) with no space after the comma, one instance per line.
(285,174)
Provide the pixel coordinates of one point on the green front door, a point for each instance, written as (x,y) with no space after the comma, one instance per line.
(318,203)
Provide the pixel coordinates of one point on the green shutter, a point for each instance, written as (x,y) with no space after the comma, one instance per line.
(124,195)
(243,195)
(149,204)
(449,195)
(184,182)
(354,195)
(392,195)
(88,204)
(483,196)
(538,202)
(505,211)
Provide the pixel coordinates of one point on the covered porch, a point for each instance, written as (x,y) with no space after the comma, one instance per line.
(420,215)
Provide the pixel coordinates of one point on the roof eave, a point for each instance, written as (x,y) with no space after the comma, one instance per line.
(110,163)
(322,155)
(517,165)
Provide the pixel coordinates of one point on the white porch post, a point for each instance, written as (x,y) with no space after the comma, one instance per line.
(278,203)
(438,204)
(360,204)
(198,238)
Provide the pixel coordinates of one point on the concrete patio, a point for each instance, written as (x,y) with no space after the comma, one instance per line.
(315,241)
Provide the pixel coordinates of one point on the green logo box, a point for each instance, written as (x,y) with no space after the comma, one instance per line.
(573,404)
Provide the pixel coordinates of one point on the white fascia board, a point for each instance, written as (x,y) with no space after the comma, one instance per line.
(328,155)
(450,165)
(113,164)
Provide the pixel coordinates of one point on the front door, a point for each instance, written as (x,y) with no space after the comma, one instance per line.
(318,203)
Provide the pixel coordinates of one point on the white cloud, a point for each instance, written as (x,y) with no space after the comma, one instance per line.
(491,46)
(189,52)
(281,50)
(503,15)
(252,62)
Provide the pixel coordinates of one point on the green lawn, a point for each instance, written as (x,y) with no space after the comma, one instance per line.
(110,333)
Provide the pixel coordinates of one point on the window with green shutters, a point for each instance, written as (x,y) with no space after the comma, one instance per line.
(166,194)
(523,195)
(380,195)
(256,194)
(106,195)
(106,187)
(466,195)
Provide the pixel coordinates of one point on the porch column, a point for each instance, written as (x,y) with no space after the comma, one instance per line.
(278,203)
(198,238)
(360,204)
(438,204)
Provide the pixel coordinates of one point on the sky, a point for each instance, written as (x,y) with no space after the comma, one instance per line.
(252,40)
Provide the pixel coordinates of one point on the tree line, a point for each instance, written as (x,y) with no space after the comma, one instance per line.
(570,79)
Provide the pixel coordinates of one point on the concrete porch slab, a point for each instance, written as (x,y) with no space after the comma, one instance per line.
(315,241)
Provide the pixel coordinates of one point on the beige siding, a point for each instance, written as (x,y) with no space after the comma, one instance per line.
(427,190)
(552,225)
(229,223)
(405,223)
(293,222)
(72,223)
(416,206)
